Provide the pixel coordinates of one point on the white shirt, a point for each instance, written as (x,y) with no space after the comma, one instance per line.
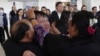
(59,15)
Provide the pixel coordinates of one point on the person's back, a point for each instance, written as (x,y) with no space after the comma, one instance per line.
(82,33)
(22,34)
(81,47)
(17,49)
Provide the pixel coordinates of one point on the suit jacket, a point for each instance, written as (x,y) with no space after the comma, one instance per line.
(61,23)
(14,19)
(54,17)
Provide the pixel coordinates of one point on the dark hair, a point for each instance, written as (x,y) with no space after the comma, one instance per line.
(33,7)
(40,13)
(81,20)
(94,7)
(75,5)
(1,8)
(19,11)
(83,6)
(58,3)
(43,7)
(19,32)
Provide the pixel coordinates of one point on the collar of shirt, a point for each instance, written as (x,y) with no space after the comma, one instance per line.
(59,15)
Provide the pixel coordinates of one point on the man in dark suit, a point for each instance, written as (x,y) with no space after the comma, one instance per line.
(3,25)
(5,21)
(13,13)
(60,18)
(56,15)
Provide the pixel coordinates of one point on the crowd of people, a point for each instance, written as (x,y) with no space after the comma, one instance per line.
(66,31)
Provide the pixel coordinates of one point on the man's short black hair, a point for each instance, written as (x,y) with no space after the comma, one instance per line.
(40,13)
(58,3)
(19,32)
(94,7)
(43,7)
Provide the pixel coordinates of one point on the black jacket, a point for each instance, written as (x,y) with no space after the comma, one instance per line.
(12,48)
(54,17)
(62,22)
(79,46)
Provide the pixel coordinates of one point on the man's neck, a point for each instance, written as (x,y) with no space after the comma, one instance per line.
(58,11)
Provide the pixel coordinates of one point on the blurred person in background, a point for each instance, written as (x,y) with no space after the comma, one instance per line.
(83,8)
(5,20)
(48,12)
(2,18)
(43,9)
(94,11)
(56,15)
(13,13)
(17,17)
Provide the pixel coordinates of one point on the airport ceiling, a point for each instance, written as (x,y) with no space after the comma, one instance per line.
(23,0)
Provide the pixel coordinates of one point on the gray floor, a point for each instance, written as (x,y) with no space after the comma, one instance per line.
(1,51)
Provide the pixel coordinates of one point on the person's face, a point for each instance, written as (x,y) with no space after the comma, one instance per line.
(44,10)
(72,30)
(75,7)
(30,32)
(66,8)
(43,21)
(60,7)
(33,9)
(1,11)
(48,12)
(20,12)
(13,8)
(37,8)
(84,8)
(71,8)
(95,10)
(24,10)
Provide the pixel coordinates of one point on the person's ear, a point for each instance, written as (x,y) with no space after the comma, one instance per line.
(28,34)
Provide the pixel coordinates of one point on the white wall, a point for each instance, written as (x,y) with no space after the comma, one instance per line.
(64,0)
(49,4)
(95,3)
(79,4)
(87,3)
(30,4)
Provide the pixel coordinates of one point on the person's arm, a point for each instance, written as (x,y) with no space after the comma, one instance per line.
(28,53)
(54,30)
